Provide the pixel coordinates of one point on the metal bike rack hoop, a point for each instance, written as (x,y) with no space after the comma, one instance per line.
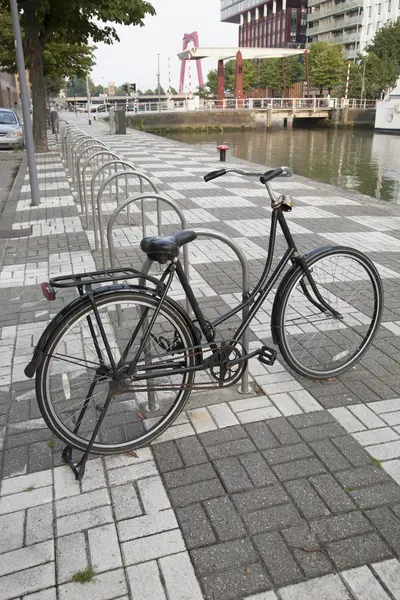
(113,177)
(82,188)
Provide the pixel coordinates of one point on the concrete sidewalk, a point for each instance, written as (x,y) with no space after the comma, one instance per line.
(293,494)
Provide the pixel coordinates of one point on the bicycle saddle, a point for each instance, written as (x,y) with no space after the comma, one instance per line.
(163,248)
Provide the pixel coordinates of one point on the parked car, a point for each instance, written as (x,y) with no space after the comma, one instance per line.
(11,131)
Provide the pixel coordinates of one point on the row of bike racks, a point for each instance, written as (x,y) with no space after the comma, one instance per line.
(82,153)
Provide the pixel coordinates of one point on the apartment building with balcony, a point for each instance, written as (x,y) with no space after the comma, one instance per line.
(376,14)
(267,24)
(336,22)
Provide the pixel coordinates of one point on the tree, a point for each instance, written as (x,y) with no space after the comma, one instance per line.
(326,65)
(149,92)
(271,74)
(386,43)
(72,22)
(211,83)
(60,60)
(380,74)
(173,91)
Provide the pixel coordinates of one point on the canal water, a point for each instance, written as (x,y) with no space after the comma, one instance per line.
(358,160)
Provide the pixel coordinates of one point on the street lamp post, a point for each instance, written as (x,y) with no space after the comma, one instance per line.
(88,98)
(30,147)
(158,83)
(363,82)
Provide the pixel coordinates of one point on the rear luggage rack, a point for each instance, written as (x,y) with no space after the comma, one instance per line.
(96,277)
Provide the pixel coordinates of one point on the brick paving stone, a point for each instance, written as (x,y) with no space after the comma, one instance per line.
(298,468)
(308,553)
(388,526)
(306,499)
(320,432)
(283,431)
(220,437)
(333,495)
(357,551)
(196,492)
(191,451)
(376,495)
(189,475)
(329,587)
(71,555)
(278,559)
(261,435)
(195,526)
(354,453)
(259,498)
(220,557)
(167,456)
(145,580)
(12,531)
(287,453)
(363,584)
(179,577)
(339,527)
(389,573)
(362,476)
(257,469)
(274,517)
(242,580)
(230,449)
(224,518)
(329,455)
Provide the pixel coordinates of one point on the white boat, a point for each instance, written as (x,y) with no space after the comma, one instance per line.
(387,116)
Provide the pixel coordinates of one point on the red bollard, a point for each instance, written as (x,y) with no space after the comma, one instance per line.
(222,152)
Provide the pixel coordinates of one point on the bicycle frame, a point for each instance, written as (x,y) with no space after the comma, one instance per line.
(254,299)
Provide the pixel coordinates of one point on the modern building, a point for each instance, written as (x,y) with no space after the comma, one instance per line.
(375,15)
(271,24)
(337,23)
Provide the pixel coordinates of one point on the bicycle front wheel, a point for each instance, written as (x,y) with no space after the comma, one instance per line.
(315,343)
(75,380)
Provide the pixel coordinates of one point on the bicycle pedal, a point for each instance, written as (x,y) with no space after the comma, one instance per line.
(267,356)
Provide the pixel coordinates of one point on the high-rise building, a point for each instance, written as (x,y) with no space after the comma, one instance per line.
(375,15)
(271,24)
(337,23)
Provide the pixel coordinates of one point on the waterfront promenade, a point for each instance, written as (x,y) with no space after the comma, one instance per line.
(291,493)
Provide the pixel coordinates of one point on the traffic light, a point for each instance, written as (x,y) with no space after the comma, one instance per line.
(126,87)
(133,87)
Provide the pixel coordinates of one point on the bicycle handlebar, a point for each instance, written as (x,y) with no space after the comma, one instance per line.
(264,177)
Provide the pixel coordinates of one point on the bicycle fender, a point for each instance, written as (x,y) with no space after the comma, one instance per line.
(286,280)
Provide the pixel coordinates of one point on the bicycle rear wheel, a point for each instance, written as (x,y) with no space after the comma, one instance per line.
(314,343)
(74,380)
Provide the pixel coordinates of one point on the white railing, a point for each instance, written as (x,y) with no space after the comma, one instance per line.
(293,105)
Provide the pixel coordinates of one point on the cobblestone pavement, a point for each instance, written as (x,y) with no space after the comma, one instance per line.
(292,493)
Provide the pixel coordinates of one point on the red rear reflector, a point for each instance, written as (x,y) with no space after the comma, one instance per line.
(48,291)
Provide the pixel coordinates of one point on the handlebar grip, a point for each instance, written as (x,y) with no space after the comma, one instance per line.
(271,174)
(214,174)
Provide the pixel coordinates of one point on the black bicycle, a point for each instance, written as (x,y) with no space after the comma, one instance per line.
(117,365)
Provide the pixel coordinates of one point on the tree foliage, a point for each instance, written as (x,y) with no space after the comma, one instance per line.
(327,65)
(386,43)
(74,22)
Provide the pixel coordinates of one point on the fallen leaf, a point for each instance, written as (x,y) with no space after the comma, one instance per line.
(131,453)
(248,571)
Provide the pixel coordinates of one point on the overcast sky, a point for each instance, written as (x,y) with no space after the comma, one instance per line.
(134,59)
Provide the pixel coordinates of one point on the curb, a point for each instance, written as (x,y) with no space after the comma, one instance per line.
(7,218)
